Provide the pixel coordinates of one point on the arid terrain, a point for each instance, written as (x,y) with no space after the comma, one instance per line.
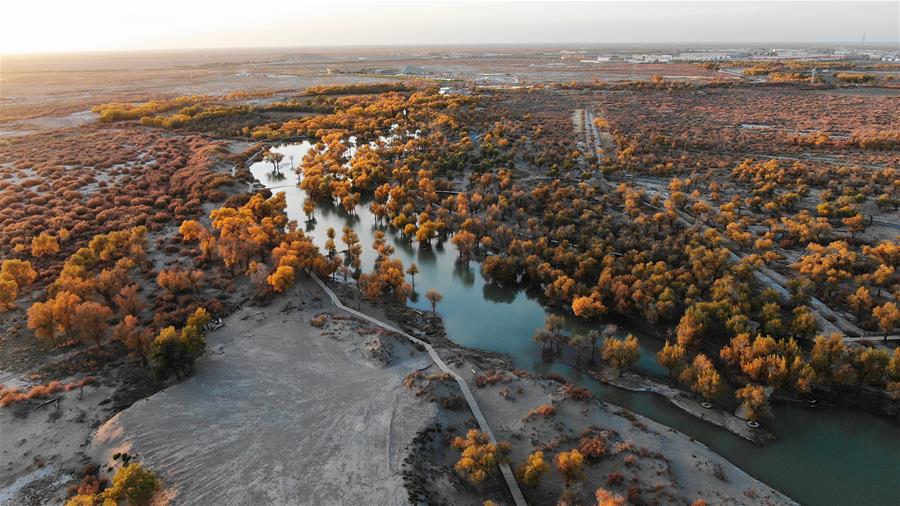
(713,244)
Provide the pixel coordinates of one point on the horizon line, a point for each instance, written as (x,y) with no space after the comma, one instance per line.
(554,45)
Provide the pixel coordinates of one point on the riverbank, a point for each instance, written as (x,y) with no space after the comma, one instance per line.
(638,383)
(295,402)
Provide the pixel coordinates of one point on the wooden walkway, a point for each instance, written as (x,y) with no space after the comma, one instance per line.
(508,475)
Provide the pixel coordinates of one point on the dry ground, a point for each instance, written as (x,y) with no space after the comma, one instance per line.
(282,412)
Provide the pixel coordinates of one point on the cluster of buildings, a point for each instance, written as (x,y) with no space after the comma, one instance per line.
(738,55)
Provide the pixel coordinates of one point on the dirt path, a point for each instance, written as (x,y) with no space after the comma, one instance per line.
(463,386)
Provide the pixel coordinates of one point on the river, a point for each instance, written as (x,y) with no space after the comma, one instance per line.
(821,456)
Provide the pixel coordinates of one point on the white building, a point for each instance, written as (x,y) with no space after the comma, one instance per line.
(705,56)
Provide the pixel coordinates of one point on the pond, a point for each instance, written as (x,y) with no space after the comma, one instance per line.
(823,456)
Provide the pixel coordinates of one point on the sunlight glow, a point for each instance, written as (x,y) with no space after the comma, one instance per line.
(109,25)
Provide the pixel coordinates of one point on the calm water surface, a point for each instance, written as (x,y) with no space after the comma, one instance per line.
(827,457)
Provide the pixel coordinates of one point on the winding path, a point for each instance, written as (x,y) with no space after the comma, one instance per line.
(514,489)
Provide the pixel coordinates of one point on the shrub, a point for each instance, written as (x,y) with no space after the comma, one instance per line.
(544,410)
(490,378)
(614,478)
(134,484)
(533,469)
(592,447)
(318,321)
(575,393)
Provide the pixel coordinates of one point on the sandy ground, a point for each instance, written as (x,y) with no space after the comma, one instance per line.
(281,412)
(43,446)
(668,466)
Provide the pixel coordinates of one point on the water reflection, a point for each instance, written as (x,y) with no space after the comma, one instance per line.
(464,272)
(499,294)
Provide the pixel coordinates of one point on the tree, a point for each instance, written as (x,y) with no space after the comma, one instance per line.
(702,377)
(192,332)
(19,271)
(128,301)
(133,484)
(569,465)
(434,297)
(91,321)
(689,329)
(56,315)
(893,368)
(873,363)
(192,230)
(553,324)
(258,273)
(309,209)
(861,301)
(579,342)
(274,158)
(855,224)
(44,244)
(671,356)
(9,290)
(41,320)
(753,398)
(620,354)
(588,307)
(593,336)
(832,360)
(881,276)
(282,278)
(542,336)
(412,270)
(14,274)
(479,457)
(888,317)
(133,336)
(533,469)
(176,281)
(465,241)
(804,322)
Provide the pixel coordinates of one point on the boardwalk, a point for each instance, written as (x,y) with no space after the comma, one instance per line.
(470,399)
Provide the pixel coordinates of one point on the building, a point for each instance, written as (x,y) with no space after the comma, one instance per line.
(704,56)
(571,55)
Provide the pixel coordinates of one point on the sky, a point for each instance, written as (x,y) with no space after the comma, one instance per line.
(39,26)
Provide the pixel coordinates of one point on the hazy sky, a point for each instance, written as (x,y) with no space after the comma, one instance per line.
(84,25)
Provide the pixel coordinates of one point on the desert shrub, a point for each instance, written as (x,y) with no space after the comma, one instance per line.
(491,378)
(614,478)
(410,380)
(592,447)
(570,391)
(544,411)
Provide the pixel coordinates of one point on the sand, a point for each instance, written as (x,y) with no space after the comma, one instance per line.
(281,412)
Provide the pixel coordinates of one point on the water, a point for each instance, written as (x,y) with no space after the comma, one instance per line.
(829,457)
